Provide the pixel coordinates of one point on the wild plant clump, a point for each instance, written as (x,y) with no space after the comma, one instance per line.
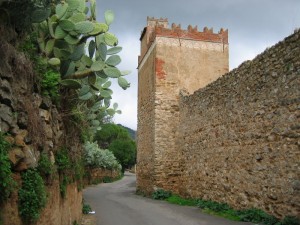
(161,194)
(32,196)
(99,158)
(6,180)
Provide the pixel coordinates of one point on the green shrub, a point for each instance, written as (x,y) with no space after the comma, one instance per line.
(86,208)
(49,79)
(79,173)
(257,216)
(161,194)
(79,170)
(140,192)
(63,186)
(32,196)
(62,160)
(224,210)
(117,139)
(96,181)
(6,180)
(218,209)
(45,166)
(124,151)
(29,47)
(290,220)
(50,85)
(175,199)
(215,206)
(107,179)
(99,158)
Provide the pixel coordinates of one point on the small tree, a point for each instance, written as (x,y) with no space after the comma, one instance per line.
(124,151)
(117,139)
(109,133)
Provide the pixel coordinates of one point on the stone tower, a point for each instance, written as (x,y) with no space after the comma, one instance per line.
(171,59)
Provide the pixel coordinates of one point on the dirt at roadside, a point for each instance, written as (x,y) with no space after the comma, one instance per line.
(88,220)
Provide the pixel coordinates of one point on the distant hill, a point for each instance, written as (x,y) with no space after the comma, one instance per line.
(131,132)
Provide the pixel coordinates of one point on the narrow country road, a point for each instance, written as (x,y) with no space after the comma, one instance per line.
(117,204)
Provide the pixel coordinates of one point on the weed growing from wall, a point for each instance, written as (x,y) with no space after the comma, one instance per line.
(32,196)
(79,173)
(62,160)
(63,186)
(50,85)
(48,78)
(45,166)
(6,181)
(86,208)
(63,163)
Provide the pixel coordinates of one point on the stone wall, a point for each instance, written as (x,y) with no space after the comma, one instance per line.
(145,132)
(58,211)
(35,126)
(98,175)
(239,137)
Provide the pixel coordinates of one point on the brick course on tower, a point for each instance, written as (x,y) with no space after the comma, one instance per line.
(171,59)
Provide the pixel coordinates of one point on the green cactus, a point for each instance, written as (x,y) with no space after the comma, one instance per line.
(59,33)
(67,25)
(77,17)
(84,27)
(109,17)
(39,15)
(112,72)
(54,61)
(113,60)
(123,83)
(114,50)
(97,66)
(110,39)
(61,9)
(63,37)
(74,84)
(73,4)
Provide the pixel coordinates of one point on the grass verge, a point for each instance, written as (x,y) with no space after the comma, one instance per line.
(224,210)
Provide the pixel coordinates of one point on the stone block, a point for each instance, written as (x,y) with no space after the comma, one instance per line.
(30,158)
(15,155)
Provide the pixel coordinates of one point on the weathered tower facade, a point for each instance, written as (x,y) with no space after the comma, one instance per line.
(171,59)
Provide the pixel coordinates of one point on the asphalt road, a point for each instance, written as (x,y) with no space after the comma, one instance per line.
(117,204)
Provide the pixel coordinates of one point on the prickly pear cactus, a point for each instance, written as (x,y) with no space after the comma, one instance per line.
(64,33)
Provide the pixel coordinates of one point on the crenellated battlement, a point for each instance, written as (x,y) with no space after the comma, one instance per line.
(159,27)
(153,22)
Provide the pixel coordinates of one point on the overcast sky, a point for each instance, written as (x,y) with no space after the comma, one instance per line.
(253,26)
